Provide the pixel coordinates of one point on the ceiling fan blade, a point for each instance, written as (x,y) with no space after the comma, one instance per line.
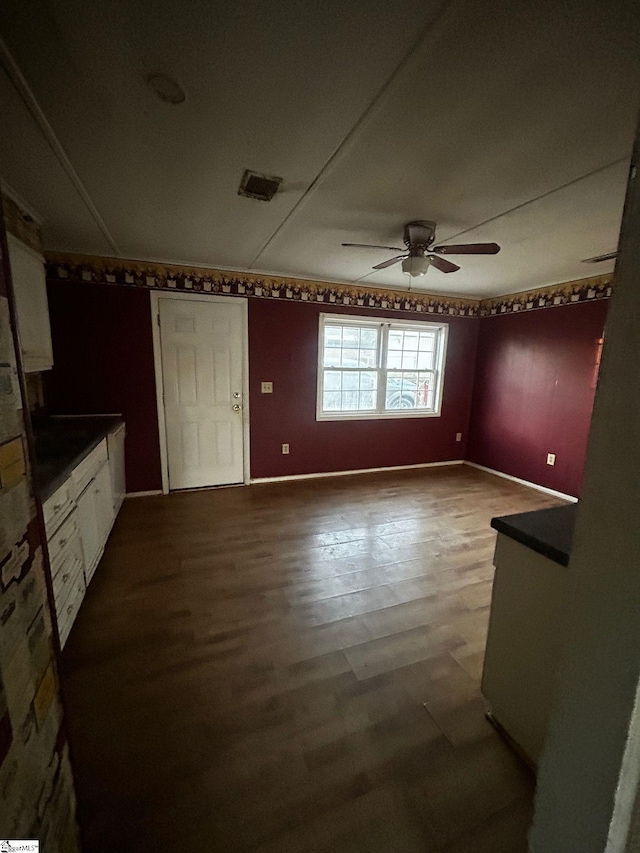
(599,258)
(468,249)
(369,246)
(388,263)
(442,265)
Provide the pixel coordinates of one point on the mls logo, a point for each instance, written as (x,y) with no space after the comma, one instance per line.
(32,845)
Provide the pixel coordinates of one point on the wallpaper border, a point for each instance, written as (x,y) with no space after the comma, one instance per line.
(564,293)
(126,272)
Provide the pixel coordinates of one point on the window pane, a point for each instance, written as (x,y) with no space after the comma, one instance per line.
(409,390)
(350,391)
(410,340)
(332,380)
(332,357)
(395,339)
(333,336)
(350,358)
(427,341)
(369,381)
(350,337)
(369,338)
(331,401)
(425,360)
(350,381)
(394,359)
(367,400)
(409,360)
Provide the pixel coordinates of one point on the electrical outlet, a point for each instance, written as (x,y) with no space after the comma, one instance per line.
(266,387)
(285,449)
(551,458)
(458,436)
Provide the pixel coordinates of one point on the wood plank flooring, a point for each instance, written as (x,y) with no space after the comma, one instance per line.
(295,667)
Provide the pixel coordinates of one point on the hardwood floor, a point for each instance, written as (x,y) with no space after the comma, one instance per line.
(295,667)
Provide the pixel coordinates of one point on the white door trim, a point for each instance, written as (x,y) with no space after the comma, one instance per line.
(156,296)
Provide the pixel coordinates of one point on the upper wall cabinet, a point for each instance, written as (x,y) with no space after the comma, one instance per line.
(30,288)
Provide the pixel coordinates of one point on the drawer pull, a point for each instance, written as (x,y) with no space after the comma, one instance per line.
(57,507)
(69,608)
(63,542)
(65,577)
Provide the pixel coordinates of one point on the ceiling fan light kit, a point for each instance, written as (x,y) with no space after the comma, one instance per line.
(418,237)
(415,264)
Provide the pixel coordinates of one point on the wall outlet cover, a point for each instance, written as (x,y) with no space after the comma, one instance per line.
(285,448)
(551,458)
(458,436)
(266,387)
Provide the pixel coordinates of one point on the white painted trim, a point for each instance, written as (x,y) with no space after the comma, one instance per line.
(384,324)
(156,296)
(144,494)
(356,471)
(523,482)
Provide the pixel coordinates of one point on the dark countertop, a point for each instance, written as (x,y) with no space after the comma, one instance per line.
(547,531)
(63,442)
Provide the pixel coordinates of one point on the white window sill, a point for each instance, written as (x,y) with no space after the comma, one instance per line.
(373,416)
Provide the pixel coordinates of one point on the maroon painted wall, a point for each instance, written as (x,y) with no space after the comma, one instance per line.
(535,383)
(103,363)
(283,348)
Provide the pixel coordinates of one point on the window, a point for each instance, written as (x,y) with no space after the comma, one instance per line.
(379,369)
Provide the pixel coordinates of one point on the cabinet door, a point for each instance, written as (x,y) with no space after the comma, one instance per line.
(116,462)
(89,531)
(103,497)
(32,308)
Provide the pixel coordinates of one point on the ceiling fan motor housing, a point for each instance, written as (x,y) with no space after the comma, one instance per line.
(421,232)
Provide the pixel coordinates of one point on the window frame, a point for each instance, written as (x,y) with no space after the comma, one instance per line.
(385,325)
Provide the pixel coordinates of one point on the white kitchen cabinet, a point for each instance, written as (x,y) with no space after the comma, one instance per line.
(32,308)
(89,531)
(103,497)
(115,442)
(96,515)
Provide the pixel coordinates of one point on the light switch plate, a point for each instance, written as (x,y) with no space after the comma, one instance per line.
(266,387)
(458,436)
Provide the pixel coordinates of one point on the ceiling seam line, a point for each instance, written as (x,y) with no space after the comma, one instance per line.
(27,96)
(539,197)
(402,64)
(520,206)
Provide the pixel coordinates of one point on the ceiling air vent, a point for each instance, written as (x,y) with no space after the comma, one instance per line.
(255,185)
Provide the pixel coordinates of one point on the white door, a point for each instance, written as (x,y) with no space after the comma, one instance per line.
(201,346)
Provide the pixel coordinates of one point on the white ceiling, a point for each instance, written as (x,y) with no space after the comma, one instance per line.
(503,121)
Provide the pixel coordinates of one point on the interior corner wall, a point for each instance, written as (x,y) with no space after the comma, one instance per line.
(103,364)
(283,349)
(535,381)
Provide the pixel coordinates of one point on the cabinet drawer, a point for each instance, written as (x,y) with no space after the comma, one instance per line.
(58,506)
(70,562)
(89,467)
(69,610)
(63,535)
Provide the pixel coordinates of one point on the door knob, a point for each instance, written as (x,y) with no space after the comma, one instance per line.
(236,408)
(236,394)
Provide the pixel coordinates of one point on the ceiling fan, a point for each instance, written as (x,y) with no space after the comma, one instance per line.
(598,259)
(419,254)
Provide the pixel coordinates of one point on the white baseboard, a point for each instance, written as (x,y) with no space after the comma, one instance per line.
(355,471)
(523,482)
(144,494)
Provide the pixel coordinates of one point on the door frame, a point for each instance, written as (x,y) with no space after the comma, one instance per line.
(156,296)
